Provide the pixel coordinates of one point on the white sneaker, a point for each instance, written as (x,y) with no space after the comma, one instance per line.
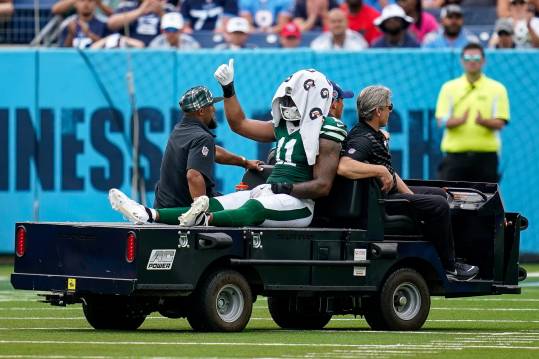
(131,210)
(196,215)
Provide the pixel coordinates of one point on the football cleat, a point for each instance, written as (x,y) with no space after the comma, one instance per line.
(132,211)
(196,215)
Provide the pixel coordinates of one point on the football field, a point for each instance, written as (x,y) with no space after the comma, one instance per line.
(479,327)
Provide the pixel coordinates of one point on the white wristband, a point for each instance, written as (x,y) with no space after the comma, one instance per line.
(443,120)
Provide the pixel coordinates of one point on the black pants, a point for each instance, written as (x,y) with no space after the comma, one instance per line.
(470,166)
(430,205)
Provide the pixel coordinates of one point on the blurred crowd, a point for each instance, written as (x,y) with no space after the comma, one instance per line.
(337,24)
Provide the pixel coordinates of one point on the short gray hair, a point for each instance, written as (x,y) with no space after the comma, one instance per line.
(371,98)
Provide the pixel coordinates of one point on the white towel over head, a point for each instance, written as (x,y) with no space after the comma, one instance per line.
(311,92)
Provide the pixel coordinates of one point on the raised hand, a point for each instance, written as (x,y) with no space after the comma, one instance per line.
(225,73)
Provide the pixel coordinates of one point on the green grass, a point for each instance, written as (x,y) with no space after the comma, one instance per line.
(477,327)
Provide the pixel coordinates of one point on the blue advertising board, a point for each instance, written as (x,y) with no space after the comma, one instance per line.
(65,120)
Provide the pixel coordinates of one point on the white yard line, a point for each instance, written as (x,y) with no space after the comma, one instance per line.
(506,335)
(483,299)
(274,344)
(15,356)
(478,309)
(488,309)
(48,329)
(529,284)
(47,308)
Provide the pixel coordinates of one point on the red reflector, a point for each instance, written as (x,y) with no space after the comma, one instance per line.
(20,241)
(130,247)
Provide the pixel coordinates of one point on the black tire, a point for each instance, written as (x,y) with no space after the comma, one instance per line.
(104,312)
(402,304)
(221,303)
(289,318)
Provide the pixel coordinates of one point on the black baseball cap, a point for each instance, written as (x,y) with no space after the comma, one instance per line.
(339,93)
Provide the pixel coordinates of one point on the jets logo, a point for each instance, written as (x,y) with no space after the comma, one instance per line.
(288,78)
(311,70)
(308,84)
(315,113)
(324,93)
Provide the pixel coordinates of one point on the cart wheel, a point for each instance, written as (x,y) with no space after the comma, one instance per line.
(222,303)
(104,312)
(403,303)
(289,318)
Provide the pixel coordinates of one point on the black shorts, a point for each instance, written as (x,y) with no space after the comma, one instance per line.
(470,166)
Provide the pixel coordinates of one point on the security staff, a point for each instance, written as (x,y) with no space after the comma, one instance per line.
(187,165)
(473,108)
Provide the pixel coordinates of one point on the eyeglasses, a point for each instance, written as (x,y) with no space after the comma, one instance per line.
(472,58)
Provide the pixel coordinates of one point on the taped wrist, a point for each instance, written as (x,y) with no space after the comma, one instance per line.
(285,188)
(151,217)
(228,90)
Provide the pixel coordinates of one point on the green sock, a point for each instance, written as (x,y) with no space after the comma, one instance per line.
(170,215)
(252,213)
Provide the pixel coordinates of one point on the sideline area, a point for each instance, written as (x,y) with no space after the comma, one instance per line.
(476,327)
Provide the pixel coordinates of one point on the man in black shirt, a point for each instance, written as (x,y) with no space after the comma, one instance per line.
(366,154)
(187,165)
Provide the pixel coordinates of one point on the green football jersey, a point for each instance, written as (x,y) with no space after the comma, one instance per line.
(291,160)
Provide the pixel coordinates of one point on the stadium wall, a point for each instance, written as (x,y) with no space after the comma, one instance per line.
(65,120)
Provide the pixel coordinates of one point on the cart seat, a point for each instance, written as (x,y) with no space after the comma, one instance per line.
(349,205)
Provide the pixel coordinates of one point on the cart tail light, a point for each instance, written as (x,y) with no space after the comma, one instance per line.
(130,247)
(20,241)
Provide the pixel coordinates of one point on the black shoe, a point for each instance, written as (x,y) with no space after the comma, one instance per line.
(463,271)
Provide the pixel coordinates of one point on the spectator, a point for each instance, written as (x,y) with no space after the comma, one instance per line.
(210,15)
(378,4)
(139,20)
(236,36)
(266,15)
(65,7)
(525,25)
(361,19)
(503,7)
(473,108)
(6,9)
(339,36)
(85,27)
(117,41)
(290,36)
(394,24)
(172,37)
(312,14)
(432,4)
(424,22)
(453,34)
(504,30)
